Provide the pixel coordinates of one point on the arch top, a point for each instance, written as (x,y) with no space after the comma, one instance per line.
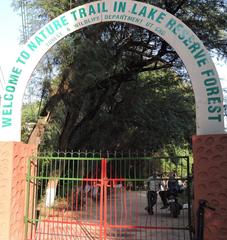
(203,74)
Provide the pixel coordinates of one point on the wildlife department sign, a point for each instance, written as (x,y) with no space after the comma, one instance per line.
(204,77)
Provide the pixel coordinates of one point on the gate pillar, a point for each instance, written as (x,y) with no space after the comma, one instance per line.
(210,182)
(13,169)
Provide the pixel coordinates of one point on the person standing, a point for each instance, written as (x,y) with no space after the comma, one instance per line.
(154,184)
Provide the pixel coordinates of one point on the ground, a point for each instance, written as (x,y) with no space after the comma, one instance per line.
(123,217)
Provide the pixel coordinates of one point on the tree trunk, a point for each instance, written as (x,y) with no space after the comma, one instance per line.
(38,131)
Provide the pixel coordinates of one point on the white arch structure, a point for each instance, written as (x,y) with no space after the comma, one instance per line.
(206,84)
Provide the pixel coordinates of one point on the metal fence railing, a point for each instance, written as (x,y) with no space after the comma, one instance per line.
(86,196)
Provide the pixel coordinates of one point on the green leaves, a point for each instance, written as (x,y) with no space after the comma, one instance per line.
(117,86)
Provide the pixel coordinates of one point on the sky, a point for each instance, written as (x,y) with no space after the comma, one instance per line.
(10,25)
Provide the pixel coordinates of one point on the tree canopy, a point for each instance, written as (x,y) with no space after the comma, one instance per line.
(118,86)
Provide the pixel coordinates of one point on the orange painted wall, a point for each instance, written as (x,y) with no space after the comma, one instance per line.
(210,182)
(13,169)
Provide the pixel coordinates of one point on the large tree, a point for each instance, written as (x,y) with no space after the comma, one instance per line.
(109,94)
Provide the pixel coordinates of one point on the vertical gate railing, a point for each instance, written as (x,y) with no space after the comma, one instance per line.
(133,221)
(90,197)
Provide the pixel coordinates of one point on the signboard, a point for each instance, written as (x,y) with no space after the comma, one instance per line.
(204,77)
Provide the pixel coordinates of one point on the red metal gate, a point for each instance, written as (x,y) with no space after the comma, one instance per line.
(108,202)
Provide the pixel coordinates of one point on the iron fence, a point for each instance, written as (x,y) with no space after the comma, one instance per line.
(87,196)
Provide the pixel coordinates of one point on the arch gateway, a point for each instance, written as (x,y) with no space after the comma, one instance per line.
(209,144)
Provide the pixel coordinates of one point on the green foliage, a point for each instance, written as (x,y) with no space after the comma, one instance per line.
(176,163)
(155,110)
(29,119)
(122,87)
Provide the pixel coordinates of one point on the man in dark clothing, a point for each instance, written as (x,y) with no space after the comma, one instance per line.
(172,188)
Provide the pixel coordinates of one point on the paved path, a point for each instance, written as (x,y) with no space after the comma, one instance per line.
(126,219)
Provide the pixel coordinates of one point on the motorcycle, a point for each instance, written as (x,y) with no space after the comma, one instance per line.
(174,206)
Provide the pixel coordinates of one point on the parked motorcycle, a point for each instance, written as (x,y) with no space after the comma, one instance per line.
(174,206)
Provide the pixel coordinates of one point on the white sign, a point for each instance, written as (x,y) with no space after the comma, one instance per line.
(204,77)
